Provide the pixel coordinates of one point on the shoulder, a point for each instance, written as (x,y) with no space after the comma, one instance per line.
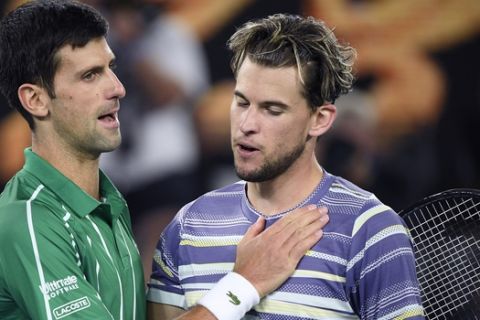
(26,205)
(12,215)
(361,207)
(343,189)
(22,186)
(234,190)
(213,206)
(230,195)
(348,198)
(16,215)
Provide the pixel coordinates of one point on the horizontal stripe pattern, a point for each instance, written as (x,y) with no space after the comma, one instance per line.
(362,239)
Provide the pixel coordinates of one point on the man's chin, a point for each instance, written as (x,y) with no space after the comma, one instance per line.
(251,176)
(109,147)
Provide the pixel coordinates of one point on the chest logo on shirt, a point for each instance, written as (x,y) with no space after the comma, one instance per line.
(58,287)
(71,307)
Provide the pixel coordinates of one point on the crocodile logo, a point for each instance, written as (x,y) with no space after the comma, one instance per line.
(233,298)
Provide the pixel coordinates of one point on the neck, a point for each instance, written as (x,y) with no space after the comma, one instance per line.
(287,190)
(81,169)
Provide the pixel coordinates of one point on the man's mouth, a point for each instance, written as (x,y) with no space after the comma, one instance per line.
(246,150)
(108,117)
(109,120)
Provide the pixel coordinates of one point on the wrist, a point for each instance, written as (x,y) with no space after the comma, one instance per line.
(231,297)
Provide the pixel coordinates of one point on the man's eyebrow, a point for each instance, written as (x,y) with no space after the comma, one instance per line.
(263,103)
(275,103)
(240,95)
(94,69)
(97,68)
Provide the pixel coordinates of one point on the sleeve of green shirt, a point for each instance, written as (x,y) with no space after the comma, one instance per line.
(40,268)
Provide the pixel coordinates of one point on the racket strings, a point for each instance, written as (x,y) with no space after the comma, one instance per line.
(434,222)
(444,284)
(447,246)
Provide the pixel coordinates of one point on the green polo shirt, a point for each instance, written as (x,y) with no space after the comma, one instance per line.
(63,254)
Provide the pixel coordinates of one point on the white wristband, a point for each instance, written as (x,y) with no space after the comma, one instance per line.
(231,297)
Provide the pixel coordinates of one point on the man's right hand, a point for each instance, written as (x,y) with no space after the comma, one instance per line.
(266,259)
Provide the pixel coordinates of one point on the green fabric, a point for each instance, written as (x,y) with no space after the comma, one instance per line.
(65,255)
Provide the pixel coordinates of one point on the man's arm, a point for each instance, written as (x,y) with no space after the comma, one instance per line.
(266,259)
(381,276)
(40,276)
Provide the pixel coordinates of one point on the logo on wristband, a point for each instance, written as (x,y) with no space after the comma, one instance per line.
(233,298)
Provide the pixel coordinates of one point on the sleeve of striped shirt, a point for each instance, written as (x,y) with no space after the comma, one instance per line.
(381,277)
(39,268)
(164,284)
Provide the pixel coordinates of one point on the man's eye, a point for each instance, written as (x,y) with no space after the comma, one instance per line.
(275,111)
(89,76)
(242,103)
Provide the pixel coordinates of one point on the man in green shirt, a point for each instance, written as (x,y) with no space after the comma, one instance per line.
(65,252)
(67,249)
(67,245)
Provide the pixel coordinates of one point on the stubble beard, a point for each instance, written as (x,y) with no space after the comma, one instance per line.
(96,143)
(108,144)
(271,168)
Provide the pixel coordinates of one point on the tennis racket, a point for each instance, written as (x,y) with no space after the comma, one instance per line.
(445,228)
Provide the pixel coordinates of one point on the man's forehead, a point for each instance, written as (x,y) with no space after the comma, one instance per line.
(94,50)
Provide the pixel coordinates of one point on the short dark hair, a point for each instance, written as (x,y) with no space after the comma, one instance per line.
(284,40)
(31,36)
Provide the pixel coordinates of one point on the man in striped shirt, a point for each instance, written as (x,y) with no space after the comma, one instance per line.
(289,71)
(67,245)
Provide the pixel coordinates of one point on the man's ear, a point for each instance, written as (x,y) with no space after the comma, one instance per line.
(34,99)
(322,119)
